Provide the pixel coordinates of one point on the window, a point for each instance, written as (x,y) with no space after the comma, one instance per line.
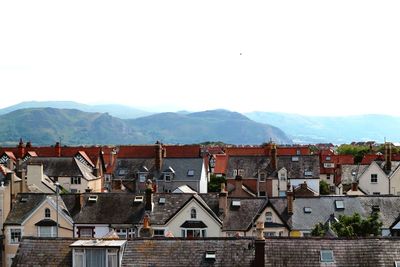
(262,177)
(122,172)
(298,152)
(85,232)
(328,158)
(269,234)
(47,213)
(210,255)
(308,173)
(167,177)
(142,177)
(159,232)
(75,180)
(238,172)
(89,257)
(15,236)
(376,193)
(194,233)
(190,173)
(328,176)
(327,256)
(339,204)
(122,233)
(374,178)
(307,210)
(282,176)
(112,258)
(268,216)
(262,194)
(295,158)
(282,193)
(47,231)
(193,214)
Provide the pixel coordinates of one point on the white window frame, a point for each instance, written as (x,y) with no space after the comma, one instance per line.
(374,178)
(263,176)
(53,231)
(202,232)
(110,252)
(167,177)
(163,232)
(142,177)
(12,241)
(76,180)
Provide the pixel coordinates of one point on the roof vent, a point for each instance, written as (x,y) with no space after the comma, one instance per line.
(138,199)
(235,203)
(210,255)
(92,198)
(161,200)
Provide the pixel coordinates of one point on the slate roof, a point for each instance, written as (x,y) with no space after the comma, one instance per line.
(296,169)
(110,208)
(163,212)
(279,251)
(63,166)
(363,252)
(44,252)
(132,167)
(348,171)
(181,166)
(188,252)
(26,203)
(323,207)
(241,218)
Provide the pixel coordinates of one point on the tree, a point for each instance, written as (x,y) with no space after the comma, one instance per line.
(352,226)
(215,183)
(324,188)
(357,151)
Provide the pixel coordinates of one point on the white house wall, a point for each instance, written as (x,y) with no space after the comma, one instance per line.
(382,186)
(213,228)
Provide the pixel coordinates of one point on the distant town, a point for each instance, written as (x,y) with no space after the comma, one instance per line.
(209,204)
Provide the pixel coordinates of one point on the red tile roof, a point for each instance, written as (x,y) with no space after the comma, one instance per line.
(345,159)
(188,151)
(140,151)
(221,164)
(369,158)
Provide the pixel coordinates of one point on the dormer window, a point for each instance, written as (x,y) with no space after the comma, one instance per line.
(193,214)
(308,173)
(142,177)
(328,158)
(167,177)
(298,152)
(47,213)
(282,176)
(237,172)
(262,177)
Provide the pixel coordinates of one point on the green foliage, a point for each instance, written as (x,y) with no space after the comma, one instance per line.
(319,230)
(324,188)
(215,183)
(357,151)
(352,226)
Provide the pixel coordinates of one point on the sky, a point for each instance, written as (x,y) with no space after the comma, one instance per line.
(309,57)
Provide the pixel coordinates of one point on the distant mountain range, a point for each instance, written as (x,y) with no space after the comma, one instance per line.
(79,123)
(43,126)
(119,111)
(337,130)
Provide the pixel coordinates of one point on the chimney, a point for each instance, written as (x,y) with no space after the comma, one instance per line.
(303,185)
(238,183)
(223,200)
(21,149)
(290,198)
(57,149)
(259,260)
(149,196)
(274,158)
(146,230)
(28,144)
(95,172)
(10,180)
(23,181)
(158,156)
(354,186)
(388,157)
(81,200)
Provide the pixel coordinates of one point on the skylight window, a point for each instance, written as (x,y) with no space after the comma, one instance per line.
(235,203)
(327,256)
(161,200)
(295,158)
(190,173)
(307,210)
(92,198)
(339,204)
(210,255)
(138,199)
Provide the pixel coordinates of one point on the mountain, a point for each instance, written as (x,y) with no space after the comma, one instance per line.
(338,130)
(119,111)
(43,126)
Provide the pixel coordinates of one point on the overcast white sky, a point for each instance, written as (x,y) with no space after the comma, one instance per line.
(308,57)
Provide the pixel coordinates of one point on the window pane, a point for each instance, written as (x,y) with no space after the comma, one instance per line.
(95,258)
(15,235)
(112,260)
(47,231)
(78,260)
